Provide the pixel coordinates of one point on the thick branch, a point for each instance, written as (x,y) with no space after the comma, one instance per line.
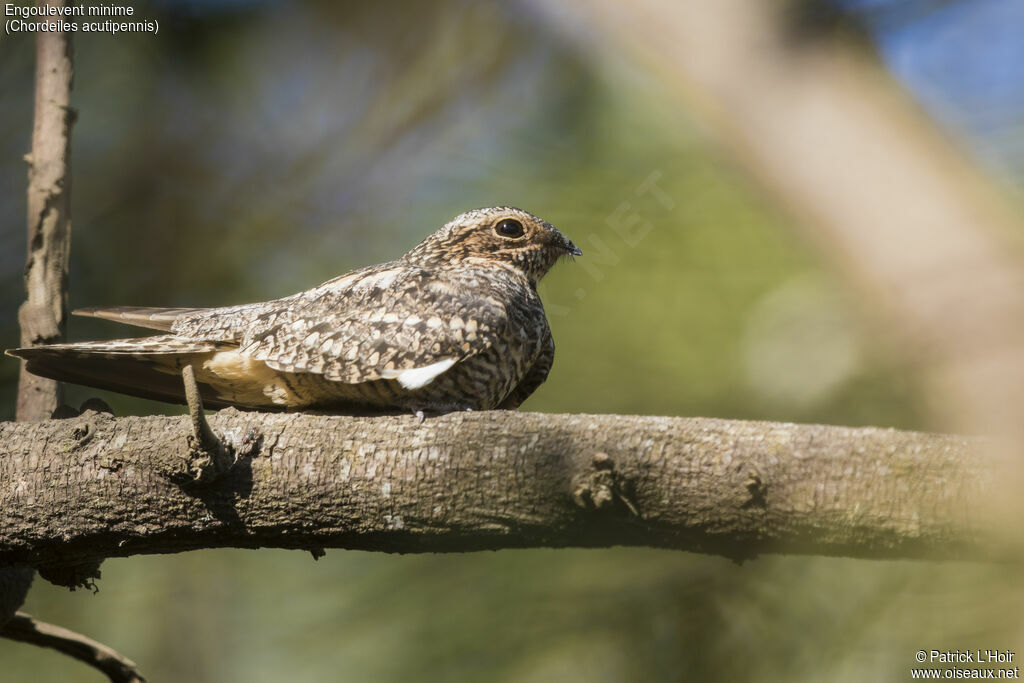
(92,487)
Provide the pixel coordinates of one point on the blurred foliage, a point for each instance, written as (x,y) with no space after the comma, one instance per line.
(253,149)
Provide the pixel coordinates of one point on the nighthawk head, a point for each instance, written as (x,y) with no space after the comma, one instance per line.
(504,234)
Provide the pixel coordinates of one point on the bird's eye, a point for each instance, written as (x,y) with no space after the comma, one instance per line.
(510,228)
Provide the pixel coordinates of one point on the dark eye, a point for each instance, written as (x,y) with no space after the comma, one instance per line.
(510,228)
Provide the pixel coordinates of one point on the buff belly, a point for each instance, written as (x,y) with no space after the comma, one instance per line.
(239,379)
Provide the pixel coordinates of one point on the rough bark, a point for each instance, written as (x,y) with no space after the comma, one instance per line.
(43,316)
(77,490)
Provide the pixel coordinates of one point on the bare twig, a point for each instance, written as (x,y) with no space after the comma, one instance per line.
(117,667)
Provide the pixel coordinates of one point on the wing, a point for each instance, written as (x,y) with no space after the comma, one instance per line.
(392,321)
(139,316)
(149,367)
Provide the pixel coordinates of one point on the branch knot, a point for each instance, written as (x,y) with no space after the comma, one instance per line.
(602,487)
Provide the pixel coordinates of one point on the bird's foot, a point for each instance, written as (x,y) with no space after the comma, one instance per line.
(438,409)
(209,456)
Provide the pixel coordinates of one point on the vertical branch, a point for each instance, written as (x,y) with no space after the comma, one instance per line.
(43,319)
(43,316)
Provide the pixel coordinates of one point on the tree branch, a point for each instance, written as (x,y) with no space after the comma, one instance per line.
(43,316)
(25,629)
(91,487)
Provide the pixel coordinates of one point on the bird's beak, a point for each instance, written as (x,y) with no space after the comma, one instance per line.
(571,248)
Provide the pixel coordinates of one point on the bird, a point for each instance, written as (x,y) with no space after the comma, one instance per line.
(454,324)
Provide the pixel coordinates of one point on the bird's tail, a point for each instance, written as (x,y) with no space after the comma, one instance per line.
(140,316)
(148,367)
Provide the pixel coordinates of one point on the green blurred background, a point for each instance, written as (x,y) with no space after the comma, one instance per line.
(252,149)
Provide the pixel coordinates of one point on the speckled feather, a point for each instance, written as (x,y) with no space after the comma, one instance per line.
(456,323)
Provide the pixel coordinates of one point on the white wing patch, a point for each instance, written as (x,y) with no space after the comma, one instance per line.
(415,378)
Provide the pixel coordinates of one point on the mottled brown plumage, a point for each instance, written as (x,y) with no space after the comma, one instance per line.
(456,323)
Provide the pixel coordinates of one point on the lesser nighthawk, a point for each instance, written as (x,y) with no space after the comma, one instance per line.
(454,324)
